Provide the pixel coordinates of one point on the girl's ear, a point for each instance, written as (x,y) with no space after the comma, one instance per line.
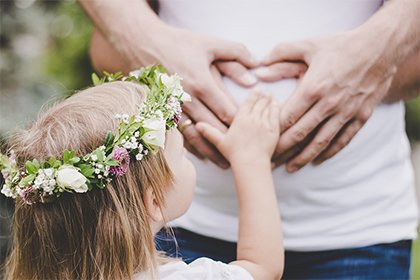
(152,206)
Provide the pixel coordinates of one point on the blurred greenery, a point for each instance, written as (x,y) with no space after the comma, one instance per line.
(44,56)
(415,269)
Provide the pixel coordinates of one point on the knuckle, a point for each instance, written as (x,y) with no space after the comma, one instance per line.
(313,93)
(226,116)
(199,88)
(331,104)
(364,115)
(342,142)
(288,121)
(321,144)
(348,112)
(299,135)
(191,137)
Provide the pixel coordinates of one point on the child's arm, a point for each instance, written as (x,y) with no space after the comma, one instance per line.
(248,145)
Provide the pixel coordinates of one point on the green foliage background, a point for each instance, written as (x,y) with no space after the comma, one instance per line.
(44,56)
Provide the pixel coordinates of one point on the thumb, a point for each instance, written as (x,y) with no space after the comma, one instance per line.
(292,51)
(212,134)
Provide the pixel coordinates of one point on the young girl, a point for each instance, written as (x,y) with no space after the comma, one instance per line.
(104,174)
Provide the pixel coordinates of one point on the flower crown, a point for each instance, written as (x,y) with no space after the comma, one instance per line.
(134,138)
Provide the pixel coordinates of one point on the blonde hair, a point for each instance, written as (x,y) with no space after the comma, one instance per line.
(101,234)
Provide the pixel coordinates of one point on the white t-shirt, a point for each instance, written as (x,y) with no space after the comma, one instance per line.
(200,269)
(362,196)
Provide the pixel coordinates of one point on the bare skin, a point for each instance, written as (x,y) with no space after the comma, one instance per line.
(344,93)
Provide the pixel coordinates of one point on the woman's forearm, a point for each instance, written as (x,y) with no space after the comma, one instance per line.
(406,82)
(128,26)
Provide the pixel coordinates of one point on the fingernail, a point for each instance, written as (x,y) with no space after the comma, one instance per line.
(223,165)
(248,79)
(317,161)
(263,72)
(292,169)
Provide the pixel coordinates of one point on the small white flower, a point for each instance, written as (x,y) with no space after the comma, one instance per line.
(68,177)
(135,73)
(127,145)
(47,188)
(139,156)
(94,157)
(106,173)
(100,166)
(140,147)
(102,148)
(99,176)
(48,172)
(97,171)
(125,118)
(117,116)
(52,182)
(137,134)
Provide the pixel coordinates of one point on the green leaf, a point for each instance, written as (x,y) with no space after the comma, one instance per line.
(52,161)
(87,170)
(31,167)
(112,162)
(109,139)
(66,156)
(45,165)
(74,160)
(25,181)
(37,165)
(95,79)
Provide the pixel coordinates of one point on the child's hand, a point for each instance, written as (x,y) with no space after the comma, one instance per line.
(254,131)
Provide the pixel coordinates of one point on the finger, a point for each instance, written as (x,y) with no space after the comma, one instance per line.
(304,97)
(225,50)
(195,139)
(320,142)
(215,99)
(274,114)
(340,141)
(285,157)
(199,112)
(193,150)
(237,72)
(250,101)
(212,134)
(293,51)
(262,104)
(308,122)
(281,70)
(281,157)
(218,79)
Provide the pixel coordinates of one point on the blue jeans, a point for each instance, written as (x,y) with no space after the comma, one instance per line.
(382,261)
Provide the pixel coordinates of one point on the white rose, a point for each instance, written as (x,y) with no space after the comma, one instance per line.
(174,82)
(68,177)
(155,132)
